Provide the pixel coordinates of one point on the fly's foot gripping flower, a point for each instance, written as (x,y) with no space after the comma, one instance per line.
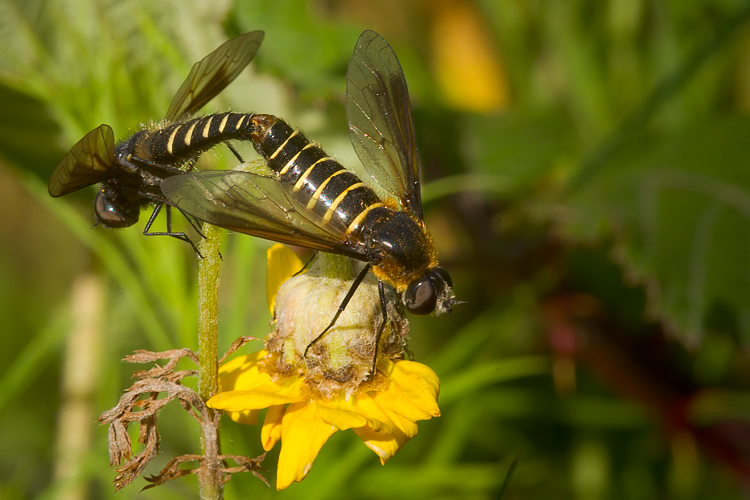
(310,398)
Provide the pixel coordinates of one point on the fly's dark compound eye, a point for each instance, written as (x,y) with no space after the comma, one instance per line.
(441,274)
(421,297)
(111,216)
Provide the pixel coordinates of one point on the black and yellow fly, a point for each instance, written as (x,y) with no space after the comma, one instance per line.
(131,171)
(310,200)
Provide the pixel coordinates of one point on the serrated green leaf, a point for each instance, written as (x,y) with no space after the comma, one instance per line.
(681,213)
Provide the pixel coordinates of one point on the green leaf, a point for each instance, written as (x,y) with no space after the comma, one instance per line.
(27,132)
(680,211)
(519,148)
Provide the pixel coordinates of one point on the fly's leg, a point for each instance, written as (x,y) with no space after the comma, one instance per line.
(307,264)
(191,220)
(234,151)
(381,329)
(169,232)
(349,295)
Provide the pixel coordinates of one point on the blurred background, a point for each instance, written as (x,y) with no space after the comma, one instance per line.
(586,176)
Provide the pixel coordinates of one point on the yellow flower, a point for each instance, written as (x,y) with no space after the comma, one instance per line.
(385,418)
(310,398)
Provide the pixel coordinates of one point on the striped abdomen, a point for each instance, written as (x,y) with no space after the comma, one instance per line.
(329,190)
(181,141)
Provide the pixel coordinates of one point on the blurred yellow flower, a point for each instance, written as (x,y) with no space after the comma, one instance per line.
(304,410)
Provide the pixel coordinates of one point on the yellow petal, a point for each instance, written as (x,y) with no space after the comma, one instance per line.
(303,434)
(233,363)
(389,421)
(341,418)
(242,373)
(384,445)
(271,431)
(413,391)
(247,417)
(281,265)
(255,390)
(262,396)
(392,434)
(378,418)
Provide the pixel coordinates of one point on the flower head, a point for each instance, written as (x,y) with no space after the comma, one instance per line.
(309,398)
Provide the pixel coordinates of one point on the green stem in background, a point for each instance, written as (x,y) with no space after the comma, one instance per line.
(208,352)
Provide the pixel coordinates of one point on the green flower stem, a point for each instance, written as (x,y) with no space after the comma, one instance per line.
(208,312)
(208,352)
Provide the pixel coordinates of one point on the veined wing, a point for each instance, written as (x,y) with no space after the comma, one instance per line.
(88,162)
(213,73)
(256,205)
(380,122)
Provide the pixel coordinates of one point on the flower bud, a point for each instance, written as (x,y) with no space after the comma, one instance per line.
(344,356)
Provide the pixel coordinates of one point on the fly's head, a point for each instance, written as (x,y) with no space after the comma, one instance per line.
(431,293)
(115,212)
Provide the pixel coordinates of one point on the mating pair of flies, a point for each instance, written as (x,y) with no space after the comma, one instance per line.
(306,199)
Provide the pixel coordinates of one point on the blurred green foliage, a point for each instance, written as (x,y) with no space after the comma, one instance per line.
(596,221)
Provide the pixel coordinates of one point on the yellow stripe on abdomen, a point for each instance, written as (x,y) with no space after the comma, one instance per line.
(338,200)
(356,222)
(170,142)
(316,194)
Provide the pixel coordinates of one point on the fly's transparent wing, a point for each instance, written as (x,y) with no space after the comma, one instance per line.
(380,122)
(89,162)
(213,73)
(256,205)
